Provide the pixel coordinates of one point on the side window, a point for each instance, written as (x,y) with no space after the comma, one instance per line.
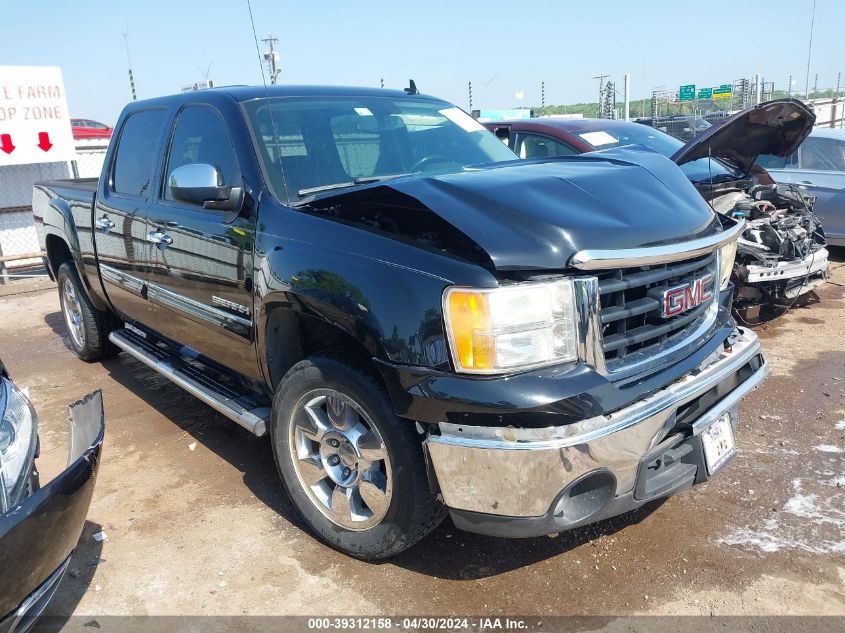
(201,137)
(530,145)
(770,161)
(503,133)
(824,154)
(136,158)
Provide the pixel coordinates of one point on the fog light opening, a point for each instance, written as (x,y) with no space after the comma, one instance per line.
(585,497)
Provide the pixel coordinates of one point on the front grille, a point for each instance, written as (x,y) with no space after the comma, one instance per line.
(630,308)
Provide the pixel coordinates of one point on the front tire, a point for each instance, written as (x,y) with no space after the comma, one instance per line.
(88,328)
(354,470)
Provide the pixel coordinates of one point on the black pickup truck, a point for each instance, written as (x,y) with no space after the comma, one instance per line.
(421,322)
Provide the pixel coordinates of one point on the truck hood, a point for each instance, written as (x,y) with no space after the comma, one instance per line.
(535,214)
(775,127)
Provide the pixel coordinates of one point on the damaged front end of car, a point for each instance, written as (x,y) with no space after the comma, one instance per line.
(781,256)
(40,524)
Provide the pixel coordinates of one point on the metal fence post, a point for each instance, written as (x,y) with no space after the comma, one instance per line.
(4,272)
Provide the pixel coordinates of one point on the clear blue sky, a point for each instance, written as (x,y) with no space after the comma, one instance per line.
(440,44)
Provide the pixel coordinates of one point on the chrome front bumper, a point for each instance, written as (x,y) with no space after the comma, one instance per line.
(521,472)
(814,263)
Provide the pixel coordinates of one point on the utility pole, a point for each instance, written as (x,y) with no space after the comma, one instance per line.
(627,97)
(601,79)
(543,95)
(469,88)
(610,100)
(382,82)
(272,58)
(129,61)
(789,88)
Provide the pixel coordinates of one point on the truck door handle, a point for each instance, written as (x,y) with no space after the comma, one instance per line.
(104,223)
(157,237)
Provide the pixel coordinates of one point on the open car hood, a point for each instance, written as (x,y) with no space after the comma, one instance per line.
(775,127)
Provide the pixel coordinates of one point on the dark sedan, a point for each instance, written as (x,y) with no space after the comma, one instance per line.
(40,525)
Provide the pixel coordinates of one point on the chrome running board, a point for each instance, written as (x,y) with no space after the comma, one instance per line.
(219,397)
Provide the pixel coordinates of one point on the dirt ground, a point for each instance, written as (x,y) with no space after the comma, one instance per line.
(198,523)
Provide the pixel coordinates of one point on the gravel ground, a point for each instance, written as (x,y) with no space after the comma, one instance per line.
(197,522)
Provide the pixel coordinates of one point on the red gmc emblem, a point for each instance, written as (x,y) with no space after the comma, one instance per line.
(685,297)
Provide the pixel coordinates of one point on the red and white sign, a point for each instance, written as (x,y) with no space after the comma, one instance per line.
(679,299)
(34,119)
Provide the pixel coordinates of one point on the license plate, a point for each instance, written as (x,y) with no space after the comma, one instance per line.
(718,440)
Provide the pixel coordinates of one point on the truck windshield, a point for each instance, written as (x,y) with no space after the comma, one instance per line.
(662,143)
(320,146)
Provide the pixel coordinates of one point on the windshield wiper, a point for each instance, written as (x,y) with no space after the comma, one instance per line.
(361,180)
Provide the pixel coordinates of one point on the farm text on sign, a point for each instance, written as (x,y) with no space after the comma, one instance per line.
(34,117)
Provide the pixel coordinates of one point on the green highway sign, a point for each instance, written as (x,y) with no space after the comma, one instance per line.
(686,93)
(705,93)
(722,92)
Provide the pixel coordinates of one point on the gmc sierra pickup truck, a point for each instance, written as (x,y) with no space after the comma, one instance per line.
(421,322)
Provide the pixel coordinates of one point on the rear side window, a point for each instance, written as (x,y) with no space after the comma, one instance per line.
(540,146)
(770,161)
(824,154)
(202,137)
(136,158)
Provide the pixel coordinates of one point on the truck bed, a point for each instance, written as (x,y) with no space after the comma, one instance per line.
(53,198)
(71,190)
(87,185)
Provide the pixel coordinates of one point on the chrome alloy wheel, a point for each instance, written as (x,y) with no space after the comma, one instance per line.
(340,459)
(72,313)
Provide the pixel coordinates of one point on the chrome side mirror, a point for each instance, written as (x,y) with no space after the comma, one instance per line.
(202,184)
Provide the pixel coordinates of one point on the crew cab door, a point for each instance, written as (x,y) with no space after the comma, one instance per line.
(119,222)
(200,280)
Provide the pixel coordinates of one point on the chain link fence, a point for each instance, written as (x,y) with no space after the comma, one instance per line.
(19,246)
(88,162)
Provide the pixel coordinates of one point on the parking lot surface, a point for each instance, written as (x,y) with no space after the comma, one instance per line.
(197,521)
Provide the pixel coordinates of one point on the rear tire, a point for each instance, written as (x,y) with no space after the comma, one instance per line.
(88,328)
(354,470)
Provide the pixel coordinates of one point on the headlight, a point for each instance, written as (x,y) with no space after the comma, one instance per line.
(512,327)
(727,255)
(17,442)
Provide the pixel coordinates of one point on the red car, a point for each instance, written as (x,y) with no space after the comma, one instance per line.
(86,128)
(533,138)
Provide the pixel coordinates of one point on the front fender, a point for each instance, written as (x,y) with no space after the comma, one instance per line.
(321,283)
(391,312)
